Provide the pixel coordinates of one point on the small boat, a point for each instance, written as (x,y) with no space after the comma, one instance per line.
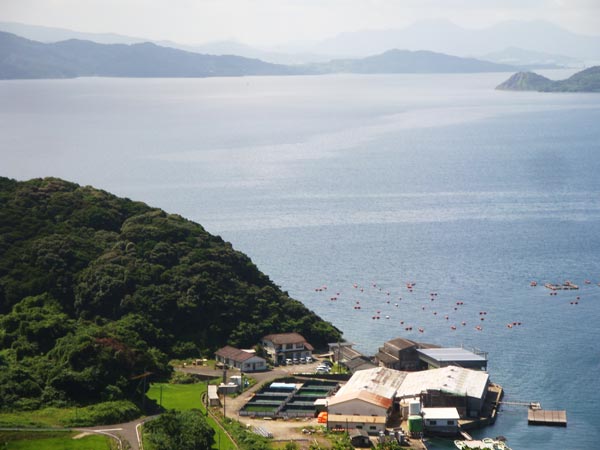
(484,444)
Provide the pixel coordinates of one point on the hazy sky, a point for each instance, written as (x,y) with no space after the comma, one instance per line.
(271,22)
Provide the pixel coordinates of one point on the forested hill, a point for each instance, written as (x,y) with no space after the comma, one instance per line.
(22,58)
(95,289)
(587,80)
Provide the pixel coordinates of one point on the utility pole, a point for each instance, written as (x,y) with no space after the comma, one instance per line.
(160,403)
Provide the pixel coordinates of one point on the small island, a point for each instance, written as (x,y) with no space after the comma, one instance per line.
(587,80)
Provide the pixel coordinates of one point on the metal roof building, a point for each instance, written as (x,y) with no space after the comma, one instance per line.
(452,380)
(442,357)
(380,381)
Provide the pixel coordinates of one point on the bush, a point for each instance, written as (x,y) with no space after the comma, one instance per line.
(182,378)
(106,413)
(181,430)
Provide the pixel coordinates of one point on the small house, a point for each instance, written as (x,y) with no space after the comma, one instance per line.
(441,421)
(245,360)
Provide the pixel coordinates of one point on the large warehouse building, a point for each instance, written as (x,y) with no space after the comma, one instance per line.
(374,395)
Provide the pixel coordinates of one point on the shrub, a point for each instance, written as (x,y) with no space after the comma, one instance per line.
(104,414)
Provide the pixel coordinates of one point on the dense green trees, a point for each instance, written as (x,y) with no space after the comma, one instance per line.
(181,430)
(95,290)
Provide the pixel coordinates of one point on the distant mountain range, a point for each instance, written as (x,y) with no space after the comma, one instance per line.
(446,37)
(52,34)
(587,80)
(519,43)
(23,58)
(531,60)
(405,61)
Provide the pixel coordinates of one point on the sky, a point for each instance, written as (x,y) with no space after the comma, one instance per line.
(278,22)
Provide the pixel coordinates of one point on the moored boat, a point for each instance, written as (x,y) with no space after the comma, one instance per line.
(484,444)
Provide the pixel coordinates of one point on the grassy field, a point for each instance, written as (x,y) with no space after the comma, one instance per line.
(185,397)
(52,441)
(41,418)
(182,397)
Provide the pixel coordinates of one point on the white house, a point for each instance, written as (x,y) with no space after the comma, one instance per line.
(245,360)
(284,346)
(441,421)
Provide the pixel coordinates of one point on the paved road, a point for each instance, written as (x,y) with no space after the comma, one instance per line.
(122,431)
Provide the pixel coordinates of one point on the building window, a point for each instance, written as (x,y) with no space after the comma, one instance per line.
(359,427)
(372,427)
(433,422)
(451,422)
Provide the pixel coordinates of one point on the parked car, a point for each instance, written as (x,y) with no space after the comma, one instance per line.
(309,359)
(296,361)
(288,361)
(302,360)
(326,369)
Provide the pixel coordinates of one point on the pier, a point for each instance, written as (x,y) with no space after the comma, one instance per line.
(546,417)
(538,416)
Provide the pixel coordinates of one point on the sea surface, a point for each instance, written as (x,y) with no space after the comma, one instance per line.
(363,184)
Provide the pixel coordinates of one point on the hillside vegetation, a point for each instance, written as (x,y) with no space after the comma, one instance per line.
(96,289)
(587,80)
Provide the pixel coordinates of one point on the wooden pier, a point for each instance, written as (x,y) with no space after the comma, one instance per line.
(545,417)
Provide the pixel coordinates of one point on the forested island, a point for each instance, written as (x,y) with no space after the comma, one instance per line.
(96,290)
(587,80)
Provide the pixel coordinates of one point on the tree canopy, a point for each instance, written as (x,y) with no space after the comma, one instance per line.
(181,430)
(96,290)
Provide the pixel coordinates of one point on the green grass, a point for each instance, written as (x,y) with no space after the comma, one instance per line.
(52,441)
(98,414)
(182,397)
(47,417)
(185,397)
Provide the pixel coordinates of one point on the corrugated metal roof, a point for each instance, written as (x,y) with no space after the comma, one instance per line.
(386,357)
(451,354)
(285,338)
(364,396)
(380,380)
(401,343)
(451,379)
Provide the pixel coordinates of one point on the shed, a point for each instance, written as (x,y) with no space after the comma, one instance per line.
(359,438)
(213,396)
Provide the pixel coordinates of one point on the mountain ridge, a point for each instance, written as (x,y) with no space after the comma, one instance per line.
(587,80)
(22,58)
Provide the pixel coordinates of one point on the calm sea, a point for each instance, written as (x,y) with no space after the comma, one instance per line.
(373,182)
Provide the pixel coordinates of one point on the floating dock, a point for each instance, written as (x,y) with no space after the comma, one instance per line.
(545,417)
(566,286)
